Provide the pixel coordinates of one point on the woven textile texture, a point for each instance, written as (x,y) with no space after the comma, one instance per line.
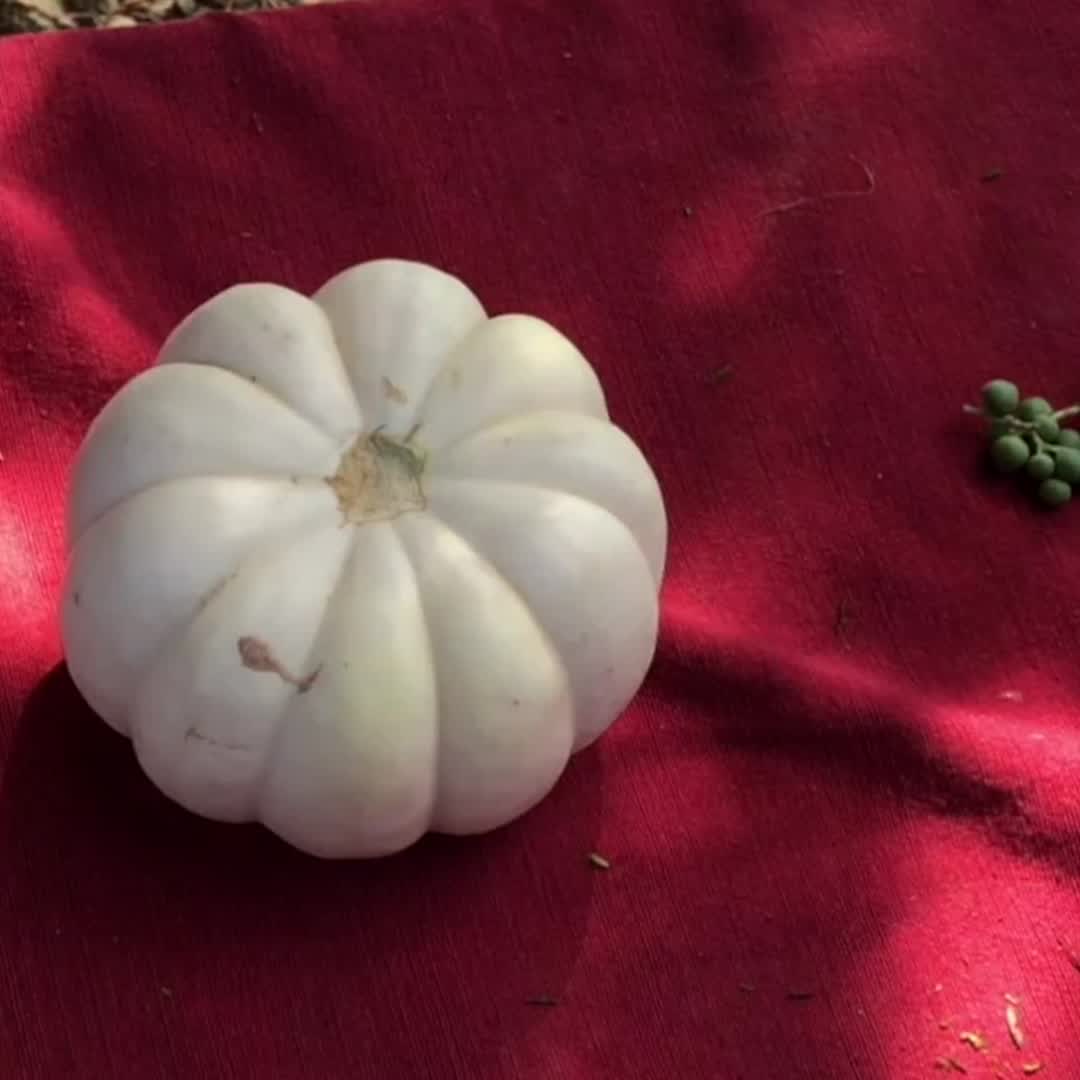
(843,814)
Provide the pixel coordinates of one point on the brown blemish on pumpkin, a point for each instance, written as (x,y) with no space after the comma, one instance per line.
(394,392)
(194,735)
(256,655)
(308,681)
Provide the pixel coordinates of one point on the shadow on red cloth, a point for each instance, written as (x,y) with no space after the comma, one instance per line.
(875,738)
(94,841)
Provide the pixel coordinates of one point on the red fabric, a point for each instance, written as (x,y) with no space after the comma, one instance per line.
(854,769)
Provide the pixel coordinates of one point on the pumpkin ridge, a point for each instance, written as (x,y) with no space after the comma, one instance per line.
(282,719)
(287,539)
(504,580)
(433,671)
(101,450)
(448,481)
(543,638)
(199,362)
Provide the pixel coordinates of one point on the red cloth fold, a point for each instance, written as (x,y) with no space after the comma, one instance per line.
(793,239)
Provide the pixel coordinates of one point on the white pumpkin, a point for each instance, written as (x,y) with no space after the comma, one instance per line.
(361,565)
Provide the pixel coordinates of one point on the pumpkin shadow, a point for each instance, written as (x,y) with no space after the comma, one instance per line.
(110,874)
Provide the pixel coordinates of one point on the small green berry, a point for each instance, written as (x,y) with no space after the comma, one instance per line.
(1010,453)
(1068,465)
(1069,437)
(1033,407)
(1000,397)
(1040,467)
(1054,492)
(1046,427)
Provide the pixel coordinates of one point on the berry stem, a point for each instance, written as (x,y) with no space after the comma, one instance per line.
(1014,423)
(1042,446)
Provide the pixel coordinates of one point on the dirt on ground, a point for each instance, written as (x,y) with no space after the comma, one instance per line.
(40,16)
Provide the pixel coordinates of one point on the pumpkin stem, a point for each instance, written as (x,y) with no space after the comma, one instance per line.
(379,478)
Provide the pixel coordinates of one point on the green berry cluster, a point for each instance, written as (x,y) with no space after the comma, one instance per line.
(1027,437)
